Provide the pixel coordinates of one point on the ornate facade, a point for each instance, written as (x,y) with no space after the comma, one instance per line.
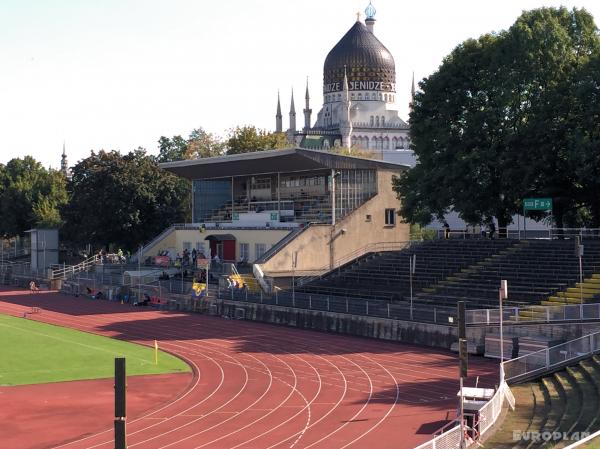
(359,99)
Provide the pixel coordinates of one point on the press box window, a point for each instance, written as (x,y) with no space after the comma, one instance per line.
(390,217)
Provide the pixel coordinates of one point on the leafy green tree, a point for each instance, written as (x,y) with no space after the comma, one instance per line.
(585,139)
(248,139)
(199,144)
(493,124)
(30,196)
(123,200)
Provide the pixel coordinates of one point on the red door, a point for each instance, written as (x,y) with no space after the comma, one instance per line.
(229,250)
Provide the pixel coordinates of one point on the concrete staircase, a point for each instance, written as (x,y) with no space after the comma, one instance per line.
(566,401)
(247,280)
(589,290)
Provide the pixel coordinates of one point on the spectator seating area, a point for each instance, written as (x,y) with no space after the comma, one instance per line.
(452,270)
(566,401)
(386,275)
(534,269)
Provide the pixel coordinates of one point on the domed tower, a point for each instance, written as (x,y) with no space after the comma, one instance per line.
(371,73)
(359,96)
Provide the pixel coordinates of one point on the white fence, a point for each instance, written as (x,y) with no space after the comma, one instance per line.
(547,359)
(544,314)
(488,414)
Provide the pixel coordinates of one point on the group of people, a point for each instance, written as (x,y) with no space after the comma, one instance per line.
(236,285)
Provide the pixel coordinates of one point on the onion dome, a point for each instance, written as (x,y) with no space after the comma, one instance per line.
(369,65)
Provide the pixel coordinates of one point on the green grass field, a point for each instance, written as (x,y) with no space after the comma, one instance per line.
(34,352)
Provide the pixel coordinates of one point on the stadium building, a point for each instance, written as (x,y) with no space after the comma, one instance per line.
(292,209)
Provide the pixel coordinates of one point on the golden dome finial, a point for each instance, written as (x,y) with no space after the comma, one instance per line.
(358,16)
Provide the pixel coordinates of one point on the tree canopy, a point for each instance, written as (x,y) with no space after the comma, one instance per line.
(247,139)
(503,118)
(30,196)
(199,144)
(123,200)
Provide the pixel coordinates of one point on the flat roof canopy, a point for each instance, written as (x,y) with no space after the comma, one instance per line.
(273,161)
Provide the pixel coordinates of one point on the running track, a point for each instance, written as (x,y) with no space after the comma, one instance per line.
(262,386)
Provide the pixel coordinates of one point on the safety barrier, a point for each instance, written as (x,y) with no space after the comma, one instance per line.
(535,314)
(536,363)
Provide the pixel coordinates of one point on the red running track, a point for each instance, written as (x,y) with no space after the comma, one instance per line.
(262,386)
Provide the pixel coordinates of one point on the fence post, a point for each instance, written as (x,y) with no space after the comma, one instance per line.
(347,310)
(547,358)
(435,315)
(310,302)
(328,303)
(367,308)
(547,314)
(487,316)
(516,312)
(388,309)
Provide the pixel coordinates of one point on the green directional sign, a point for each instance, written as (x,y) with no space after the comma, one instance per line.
(235,216)
(537,204)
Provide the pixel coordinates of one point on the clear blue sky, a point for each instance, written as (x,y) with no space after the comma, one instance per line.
(118,74)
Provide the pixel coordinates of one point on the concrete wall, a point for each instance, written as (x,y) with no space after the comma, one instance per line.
(320,246)
(364,326)
(427,334)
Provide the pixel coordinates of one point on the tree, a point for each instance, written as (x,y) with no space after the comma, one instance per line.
(199,144)
(30,196)
(248,139)
(123,200)
(492,125)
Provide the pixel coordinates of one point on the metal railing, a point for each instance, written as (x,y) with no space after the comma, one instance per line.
(64,271)
(535,314)
(522,234)
(536,363)
(339,304)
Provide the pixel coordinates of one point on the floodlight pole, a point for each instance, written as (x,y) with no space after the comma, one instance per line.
(462,416)
(502,294)
(412,262)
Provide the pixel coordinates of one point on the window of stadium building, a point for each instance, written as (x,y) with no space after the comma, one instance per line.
(260,249)
(390,217)
(212,200)
(244,252)
(352,189)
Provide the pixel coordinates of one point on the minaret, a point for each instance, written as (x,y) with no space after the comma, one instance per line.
(292,115)
(412,92)
(307,110)
(64,166)
(345,122)
(370,19)
(278,117)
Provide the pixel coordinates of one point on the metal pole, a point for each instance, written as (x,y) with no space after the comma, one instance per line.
(333,197)
(462,417)
(525,223)
(139,275)
(501,329)
(412,266)
(581,276)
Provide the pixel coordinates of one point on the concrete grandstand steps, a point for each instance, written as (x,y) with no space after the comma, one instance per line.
(520,420)
(589,397)
(388,271)
(567,401)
